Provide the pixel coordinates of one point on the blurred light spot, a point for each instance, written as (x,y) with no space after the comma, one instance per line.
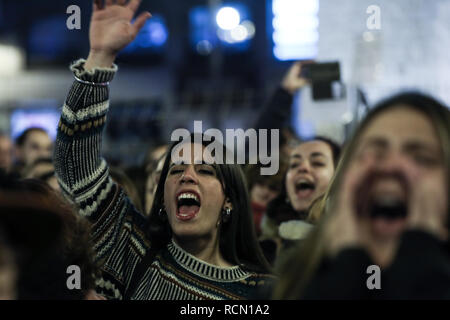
(228,18)
(368,36)
(250,26)
(239,34)
(12,60)
(204,47)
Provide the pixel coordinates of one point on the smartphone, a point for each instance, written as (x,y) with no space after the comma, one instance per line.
(321,72)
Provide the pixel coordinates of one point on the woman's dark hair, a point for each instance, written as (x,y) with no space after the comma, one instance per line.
(238,243)
(334,146)
(121,178)
(46,279)
(20,140)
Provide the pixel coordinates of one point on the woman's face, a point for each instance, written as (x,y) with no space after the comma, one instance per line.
(310,171)
(194,199)
(399,141)
(262,193)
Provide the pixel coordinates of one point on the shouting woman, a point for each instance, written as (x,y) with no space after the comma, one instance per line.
(199,241)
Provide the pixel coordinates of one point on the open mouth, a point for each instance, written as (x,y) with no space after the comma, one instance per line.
(385,203)
(388,207)
(304,188)
(188,205)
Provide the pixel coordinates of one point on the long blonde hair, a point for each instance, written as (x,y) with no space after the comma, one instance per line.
(302,265)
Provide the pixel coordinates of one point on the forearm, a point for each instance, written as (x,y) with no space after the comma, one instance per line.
(117,229)
(277,111)
(79,167)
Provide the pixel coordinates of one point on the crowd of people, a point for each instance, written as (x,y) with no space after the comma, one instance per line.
(207,229)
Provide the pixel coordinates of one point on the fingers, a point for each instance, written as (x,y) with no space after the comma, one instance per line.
(134,5)
(97,5)
(109,3)
(140,21)
(355,174)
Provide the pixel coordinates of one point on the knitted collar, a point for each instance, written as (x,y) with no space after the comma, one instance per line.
(204,269)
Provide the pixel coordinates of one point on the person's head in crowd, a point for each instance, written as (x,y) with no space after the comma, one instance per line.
(46,275)
(263,189)
(44,170)
(288,141)
(6,152)
(8,269)
(155,153)
(31,233)
(122,179)
(201,204)
(32,144)
(393,177)
(311,167)
(153,172)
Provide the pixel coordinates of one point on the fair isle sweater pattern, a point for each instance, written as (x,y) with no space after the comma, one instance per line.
(118,230)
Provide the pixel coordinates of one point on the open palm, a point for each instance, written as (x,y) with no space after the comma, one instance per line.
(111,29)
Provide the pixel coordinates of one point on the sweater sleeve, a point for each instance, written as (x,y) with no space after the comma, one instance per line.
(421,269)
(117,228)
(277,111)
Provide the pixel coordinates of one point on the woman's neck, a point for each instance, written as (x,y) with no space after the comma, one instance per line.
(204,250)
(383,252)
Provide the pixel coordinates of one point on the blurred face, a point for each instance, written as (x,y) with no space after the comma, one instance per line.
(262,194)
(37,145)
(42,169)
(5,153)
(194,199)
(310,171)
(400,140)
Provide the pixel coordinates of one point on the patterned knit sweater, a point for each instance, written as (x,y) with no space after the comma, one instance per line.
(119,235)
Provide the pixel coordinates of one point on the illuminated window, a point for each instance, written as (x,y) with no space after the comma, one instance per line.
(295,29)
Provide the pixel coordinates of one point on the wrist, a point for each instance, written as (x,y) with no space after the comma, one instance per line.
(288,89)
(99,59)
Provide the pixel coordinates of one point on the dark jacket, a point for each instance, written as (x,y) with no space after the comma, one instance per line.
(420,270)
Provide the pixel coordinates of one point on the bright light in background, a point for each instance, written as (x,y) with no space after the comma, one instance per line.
(202,30)
(46,119)
(12,60)
(228,18)
(204,47)
(231,25)
(295,29)
(241,33)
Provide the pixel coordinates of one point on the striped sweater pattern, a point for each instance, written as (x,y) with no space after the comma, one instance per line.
(118,229)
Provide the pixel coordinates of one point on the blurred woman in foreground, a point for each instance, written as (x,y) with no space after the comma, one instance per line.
(387,206)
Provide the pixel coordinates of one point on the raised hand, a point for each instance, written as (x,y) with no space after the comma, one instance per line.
(428,202)
(293,81)
(345,227)
(111,30)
